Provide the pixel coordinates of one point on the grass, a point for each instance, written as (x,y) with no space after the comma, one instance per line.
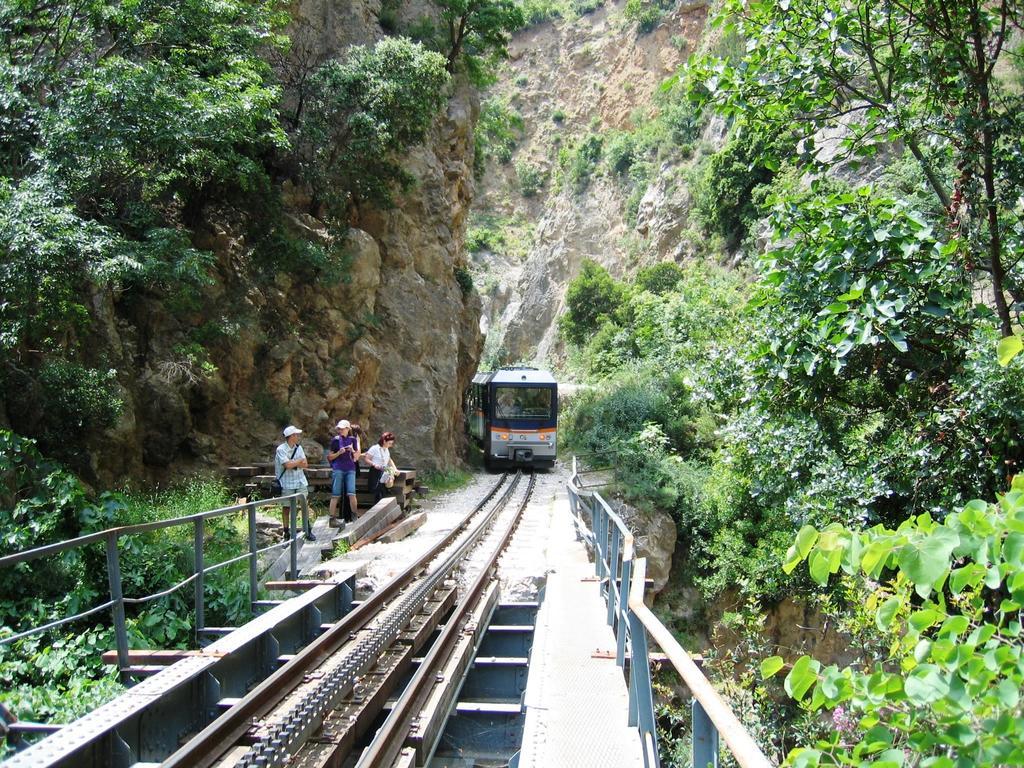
(441,480)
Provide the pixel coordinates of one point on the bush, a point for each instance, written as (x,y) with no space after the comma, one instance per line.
(724,200)
(484,238)
(540,11)
(363,112)
(465,279)
(580,160)
(583,7)
(531,178)
(496,134)
(84,400)
(620,152)
(644,13)
(660,278)
(591,298)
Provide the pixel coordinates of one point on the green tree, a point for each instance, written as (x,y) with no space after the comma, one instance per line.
(660,278)
(921,73)
(946,598)
(478,30)
(360,113)
(592,297)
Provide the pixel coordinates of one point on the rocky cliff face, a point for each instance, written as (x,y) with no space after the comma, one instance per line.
(566,79)
(391,346)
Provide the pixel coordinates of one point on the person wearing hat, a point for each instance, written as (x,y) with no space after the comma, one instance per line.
(289,461)
(343,454)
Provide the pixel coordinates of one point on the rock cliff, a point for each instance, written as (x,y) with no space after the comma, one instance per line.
(391,344)
(593,74)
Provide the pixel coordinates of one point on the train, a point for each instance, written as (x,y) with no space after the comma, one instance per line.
(512,414)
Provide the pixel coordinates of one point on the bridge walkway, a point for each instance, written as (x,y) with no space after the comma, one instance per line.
(577,699)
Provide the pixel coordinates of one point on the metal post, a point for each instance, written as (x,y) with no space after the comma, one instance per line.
(641,705)
(198,544)
(614,593)
(254,584)
(305,519)
(705,738)
(623,613)
(293,547)
(117,609)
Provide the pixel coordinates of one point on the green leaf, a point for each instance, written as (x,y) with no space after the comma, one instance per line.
(926,559)
(875,556)
(926,684)
(771,665)
(818,565)
(805,539)
(1008,348)
(803,675)
(921,620)
(886,613)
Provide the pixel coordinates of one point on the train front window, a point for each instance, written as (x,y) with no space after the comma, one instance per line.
(522,402)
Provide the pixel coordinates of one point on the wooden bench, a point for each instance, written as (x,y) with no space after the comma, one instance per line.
(258,476)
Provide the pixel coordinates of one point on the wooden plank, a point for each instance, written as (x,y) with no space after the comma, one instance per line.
(242,471)
(404,528)
(378,517)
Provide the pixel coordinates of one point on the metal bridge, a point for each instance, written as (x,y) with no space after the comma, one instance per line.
(434,668)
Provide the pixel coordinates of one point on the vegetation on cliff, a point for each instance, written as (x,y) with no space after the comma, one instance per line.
(132,136)
(842,390)
(129,130)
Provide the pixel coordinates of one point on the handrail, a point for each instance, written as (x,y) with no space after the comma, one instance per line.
(632,622)
(118,601)
(743,747)
(127,530)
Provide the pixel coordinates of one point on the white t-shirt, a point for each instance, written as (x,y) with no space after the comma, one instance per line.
(379,456)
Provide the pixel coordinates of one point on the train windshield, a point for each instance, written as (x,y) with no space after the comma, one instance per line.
(522,402)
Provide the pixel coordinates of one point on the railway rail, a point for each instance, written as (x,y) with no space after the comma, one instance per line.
(330,700)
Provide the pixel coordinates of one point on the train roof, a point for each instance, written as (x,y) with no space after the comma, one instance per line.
(515,376)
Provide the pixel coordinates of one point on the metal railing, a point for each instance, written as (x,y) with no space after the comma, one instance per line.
(622,580)
(118,601)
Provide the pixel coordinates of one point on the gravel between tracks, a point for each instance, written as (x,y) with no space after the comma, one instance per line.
(522,568)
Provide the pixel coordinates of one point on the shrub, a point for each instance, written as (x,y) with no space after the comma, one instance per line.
(540,11)
(496,134)
(620,152)
(580,160)
(724,198)
(531,178)
(591,298)
(464,278)
(80,399)
(364,111)
(660,278)
(644,13)
(583,7)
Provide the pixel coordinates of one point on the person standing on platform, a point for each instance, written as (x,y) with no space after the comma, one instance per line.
(343,455)
(382,467)
(289,461)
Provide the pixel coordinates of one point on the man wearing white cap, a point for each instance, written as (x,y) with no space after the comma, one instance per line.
(289,461)
(343,454)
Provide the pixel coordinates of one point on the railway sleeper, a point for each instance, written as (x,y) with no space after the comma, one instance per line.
(434,711)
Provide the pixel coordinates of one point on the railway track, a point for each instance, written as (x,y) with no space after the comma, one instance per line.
(326,706)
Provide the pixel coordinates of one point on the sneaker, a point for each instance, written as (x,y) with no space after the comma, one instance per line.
(335,523)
